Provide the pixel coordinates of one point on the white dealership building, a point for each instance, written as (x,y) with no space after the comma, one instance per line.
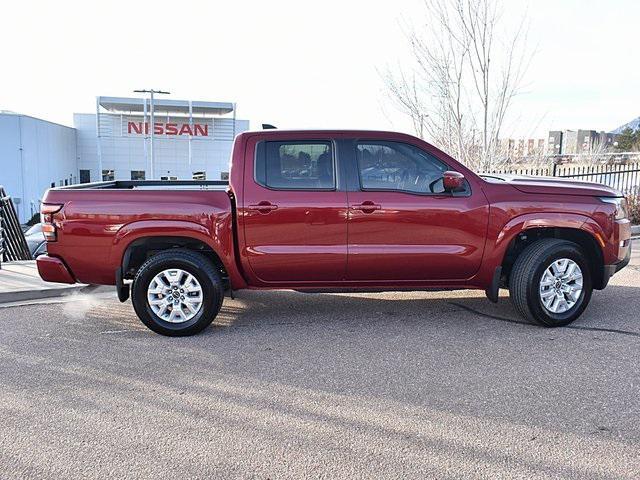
(190,140)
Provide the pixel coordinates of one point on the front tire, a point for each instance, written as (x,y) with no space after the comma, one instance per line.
(550,283)
(177,293)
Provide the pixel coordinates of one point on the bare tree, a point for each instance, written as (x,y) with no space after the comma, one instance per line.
(595,152)
(468,68)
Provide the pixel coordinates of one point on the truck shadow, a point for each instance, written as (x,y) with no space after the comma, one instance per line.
(610,309)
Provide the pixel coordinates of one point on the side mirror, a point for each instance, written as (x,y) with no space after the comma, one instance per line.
(452,181)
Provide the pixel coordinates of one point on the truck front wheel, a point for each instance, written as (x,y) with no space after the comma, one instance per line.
(177,293)
(550,283)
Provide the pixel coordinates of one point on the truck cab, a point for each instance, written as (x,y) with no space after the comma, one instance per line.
(363,210)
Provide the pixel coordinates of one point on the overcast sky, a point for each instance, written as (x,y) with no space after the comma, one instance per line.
(299,63)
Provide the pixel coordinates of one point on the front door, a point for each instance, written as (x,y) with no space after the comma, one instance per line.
(403,226)
(294,212)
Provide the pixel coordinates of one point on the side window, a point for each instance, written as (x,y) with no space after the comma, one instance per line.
(108,175)
(398,166)
(295,165)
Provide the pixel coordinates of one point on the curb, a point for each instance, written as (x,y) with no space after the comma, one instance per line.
(22,295)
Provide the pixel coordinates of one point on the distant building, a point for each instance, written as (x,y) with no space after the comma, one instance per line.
(528,147)
(535,146)
(569,142)
(554,142)
(587,141)
(35,154)
(192,140)
(559,142)
(609,140)
(507,146)
(522,147)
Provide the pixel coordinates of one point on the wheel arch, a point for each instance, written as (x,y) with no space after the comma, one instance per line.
(142,248)
(136,242)
(584,238)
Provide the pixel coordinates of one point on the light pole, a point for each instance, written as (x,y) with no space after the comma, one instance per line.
(151,92)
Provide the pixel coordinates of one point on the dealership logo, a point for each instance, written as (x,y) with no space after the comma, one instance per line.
(161,128)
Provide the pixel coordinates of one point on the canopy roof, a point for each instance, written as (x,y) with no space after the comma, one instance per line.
(164,105)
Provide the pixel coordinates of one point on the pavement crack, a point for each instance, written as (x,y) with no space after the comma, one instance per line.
(572,327)
(488,315)
(599,329)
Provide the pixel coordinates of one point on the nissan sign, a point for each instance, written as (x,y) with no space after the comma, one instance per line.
(168,128)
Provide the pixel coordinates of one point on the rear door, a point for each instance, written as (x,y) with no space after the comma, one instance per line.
(294,210)
(403,226)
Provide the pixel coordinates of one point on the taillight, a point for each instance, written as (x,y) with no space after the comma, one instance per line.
(47,211)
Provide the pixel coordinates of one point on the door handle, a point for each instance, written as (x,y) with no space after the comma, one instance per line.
(263,207)
(366,207)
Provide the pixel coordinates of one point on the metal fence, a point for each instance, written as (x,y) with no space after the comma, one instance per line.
(625,178)
(13,245)
(1,242)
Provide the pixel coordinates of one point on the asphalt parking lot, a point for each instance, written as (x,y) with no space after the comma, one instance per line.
(396,385)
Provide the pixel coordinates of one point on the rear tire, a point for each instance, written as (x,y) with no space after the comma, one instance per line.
(529,291)
(190,272)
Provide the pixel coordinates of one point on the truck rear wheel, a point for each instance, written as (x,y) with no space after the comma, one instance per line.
(177,293)
(550,282)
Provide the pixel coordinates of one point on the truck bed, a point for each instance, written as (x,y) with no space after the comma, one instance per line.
(99,220)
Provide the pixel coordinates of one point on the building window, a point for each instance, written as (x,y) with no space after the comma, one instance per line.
(224,176)
(108,175)
(295,165)
(169,177)
(137,174)
(85,176)
(199,175)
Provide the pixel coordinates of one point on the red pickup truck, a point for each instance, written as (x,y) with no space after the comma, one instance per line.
(336,211)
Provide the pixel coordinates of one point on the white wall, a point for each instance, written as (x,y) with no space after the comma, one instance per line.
(33,154)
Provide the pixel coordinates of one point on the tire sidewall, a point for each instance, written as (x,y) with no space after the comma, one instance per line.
(533,295)
(147,315)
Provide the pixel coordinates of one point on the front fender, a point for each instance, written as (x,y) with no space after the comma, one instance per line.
(497,245)
(535,220)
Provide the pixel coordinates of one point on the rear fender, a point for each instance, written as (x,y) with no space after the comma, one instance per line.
(222,245)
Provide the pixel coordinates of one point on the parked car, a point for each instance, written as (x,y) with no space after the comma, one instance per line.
(35,240)
(336,211)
